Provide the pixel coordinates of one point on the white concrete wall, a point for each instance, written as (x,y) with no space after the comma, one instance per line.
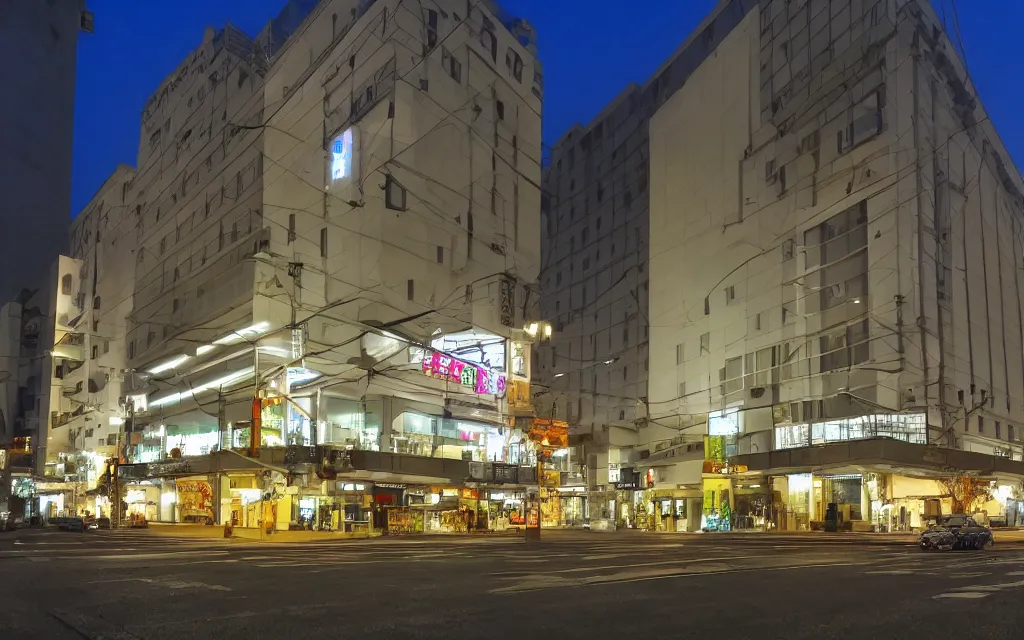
(747,165)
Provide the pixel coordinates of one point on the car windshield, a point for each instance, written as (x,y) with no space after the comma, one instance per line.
(953,521)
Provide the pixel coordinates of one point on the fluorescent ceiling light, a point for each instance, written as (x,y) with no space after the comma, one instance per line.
(170,364)
(215,384)
(115,421)
(206,348)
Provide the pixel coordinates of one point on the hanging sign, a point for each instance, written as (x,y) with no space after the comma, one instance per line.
(483,381)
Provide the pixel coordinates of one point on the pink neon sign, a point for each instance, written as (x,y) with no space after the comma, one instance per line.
(483,381)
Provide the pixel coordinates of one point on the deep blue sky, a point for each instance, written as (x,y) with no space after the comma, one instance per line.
(590,49)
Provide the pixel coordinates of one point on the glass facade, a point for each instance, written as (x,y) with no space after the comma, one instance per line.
(345,423)
(436,437)
(908,427)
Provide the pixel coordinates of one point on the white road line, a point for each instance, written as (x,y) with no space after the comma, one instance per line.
(965,595)
(555,582)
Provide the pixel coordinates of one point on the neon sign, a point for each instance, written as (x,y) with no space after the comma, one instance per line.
(341,156)
(483,381)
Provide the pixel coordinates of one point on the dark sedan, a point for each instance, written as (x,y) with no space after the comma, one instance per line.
(955,532)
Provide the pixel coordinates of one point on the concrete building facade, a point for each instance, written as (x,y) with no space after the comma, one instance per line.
(338,218)
(39,41)
(595,272)
(835,257)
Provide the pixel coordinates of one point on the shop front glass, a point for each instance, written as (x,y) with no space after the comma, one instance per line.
(191,440)
(142,503)
(432,436)
(345,423)
(299,427)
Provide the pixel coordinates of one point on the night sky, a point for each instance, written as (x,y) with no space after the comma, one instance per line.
(589,56)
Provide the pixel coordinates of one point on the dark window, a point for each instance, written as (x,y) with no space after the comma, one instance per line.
(394,194)
(96,303)
(440,255)
(431,28)
(66,284)
(291,228)
(515,64)
(981,424)
(95,351)
(323,242)
(707,305)
(499,107)
(410,289)
(451,65)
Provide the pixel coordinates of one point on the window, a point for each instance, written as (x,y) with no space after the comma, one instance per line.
(731,375)
(440,255)
(586,263)
(96,303)
(65,284)
(981,424)
(323,242)
(625,372)
(410,289)
(705,343)
(291,228)
(999,429)
(106,346)
(707,306)
(234,232)
(499,108)
(95,351)
(431,28)
(131,349)
(1010,435)
(787,250)
(451,65)
(680,353)
(864,122)
(334,26)
(163,245)
(177,273)
(515,64)
(489,40)
(730,294)
(394,194)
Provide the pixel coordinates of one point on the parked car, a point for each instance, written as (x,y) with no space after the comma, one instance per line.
(957,531)
(100,523)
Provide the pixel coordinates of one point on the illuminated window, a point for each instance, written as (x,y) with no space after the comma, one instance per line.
(341,156)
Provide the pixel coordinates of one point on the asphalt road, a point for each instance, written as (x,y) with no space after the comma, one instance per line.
(134,585)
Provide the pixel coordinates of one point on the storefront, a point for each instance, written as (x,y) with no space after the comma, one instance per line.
(142,501)
(505,509)
(572,506)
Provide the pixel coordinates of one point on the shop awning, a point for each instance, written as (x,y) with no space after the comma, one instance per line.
(879,455)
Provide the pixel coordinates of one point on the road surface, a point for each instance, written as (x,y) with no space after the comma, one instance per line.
(136,585)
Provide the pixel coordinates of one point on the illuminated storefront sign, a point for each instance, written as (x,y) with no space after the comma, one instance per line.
(482,380)
(341,156)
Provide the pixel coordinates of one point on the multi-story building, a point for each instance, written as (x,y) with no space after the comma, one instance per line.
(339,219)
(835,299)
(595,276)
(39,40)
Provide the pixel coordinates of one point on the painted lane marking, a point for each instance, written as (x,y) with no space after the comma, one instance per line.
(963,595)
